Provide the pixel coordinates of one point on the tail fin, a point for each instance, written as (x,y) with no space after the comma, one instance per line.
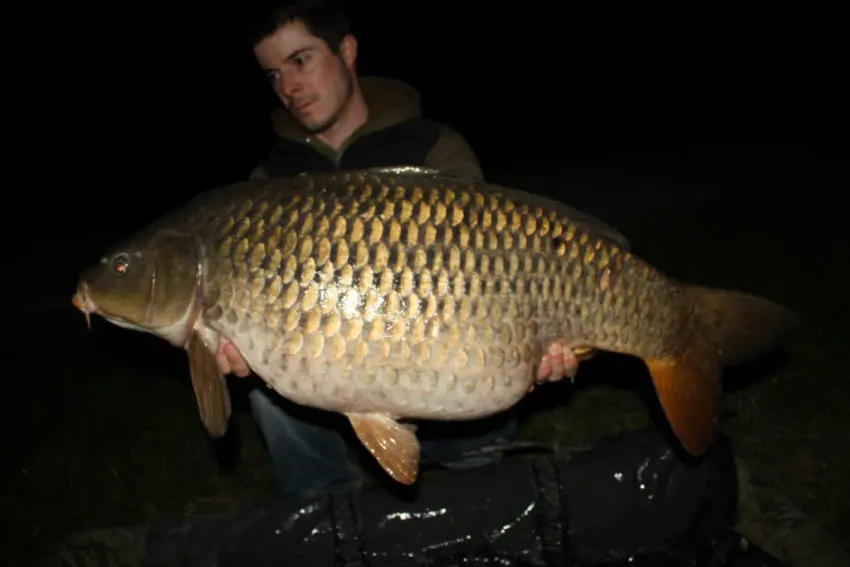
(688,387)
(743,327)
(727,328)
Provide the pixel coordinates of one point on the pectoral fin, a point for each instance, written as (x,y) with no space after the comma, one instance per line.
(394,445)
(210,387)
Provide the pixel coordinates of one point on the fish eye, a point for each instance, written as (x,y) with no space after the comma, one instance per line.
(120,264)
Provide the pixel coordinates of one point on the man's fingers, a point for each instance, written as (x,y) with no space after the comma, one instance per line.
(230,361)
(237,364)
(223,363)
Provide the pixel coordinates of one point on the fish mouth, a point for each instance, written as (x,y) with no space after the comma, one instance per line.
(84,303)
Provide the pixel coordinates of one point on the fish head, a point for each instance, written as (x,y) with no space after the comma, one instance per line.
(148,283)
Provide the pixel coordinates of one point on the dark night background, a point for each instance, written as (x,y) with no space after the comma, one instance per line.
(124,112)
(143,106)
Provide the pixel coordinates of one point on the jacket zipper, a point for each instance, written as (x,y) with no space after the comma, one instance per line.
(337,160)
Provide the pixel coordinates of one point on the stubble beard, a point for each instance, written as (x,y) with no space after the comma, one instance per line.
(332,120)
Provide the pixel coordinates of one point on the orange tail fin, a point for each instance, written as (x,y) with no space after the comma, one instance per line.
(688,388)
(727,328)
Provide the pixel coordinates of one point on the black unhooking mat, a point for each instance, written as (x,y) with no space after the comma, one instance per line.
(626,500)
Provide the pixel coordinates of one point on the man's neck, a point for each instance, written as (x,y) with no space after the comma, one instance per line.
(353,116)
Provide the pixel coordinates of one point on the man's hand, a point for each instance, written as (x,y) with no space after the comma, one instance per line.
(230,361)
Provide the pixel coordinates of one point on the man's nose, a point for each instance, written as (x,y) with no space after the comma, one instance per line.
(288,86)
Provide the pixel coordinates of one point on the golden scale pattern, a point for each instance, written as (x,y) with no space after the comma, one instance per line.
(418,271)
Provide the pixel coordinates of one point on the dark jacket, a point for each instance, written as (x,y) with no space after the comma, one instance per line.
(395,133)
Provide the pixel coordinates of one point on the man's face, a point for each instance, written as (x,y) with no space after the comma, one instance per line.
(312,82)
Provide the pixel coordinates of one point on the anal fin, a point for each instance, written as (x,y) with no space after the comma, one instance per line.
(210,387)
(394,445)
(688,387)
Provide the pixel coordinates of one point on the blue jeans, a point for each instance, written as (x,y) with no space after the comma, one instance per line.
(310,456)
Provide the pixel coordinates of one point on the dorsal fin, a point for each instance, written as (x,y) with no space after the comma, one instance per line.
(580,218)
(406,170)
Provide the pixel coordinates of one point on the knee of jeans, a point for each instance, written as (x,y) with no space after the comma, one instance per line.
(258,398)
(263,408)
(279,426)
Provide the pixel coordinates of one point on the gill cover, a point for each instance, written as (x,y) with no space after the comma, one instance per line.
(149,282)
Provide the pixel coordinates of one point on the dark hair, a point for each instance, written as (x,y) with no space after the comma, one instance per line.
(325,19)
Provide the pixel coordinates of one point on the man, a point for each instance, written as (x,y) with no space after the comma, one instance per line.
(334,120)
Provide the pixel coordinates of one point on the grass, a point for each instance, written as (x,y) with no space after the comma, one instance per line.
(102,430)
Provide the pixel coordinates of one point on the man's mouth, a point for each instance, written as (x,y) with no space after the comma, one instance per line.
(302,107)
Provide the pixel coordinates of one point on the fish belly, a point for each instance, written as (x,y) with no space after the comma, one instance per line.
(436,379)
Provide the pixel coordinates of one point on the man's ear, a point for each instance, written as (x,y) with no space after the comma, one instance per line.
(348,50)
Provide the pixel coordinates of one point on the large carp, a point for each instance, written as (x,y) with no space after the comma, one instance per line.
(398,294)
